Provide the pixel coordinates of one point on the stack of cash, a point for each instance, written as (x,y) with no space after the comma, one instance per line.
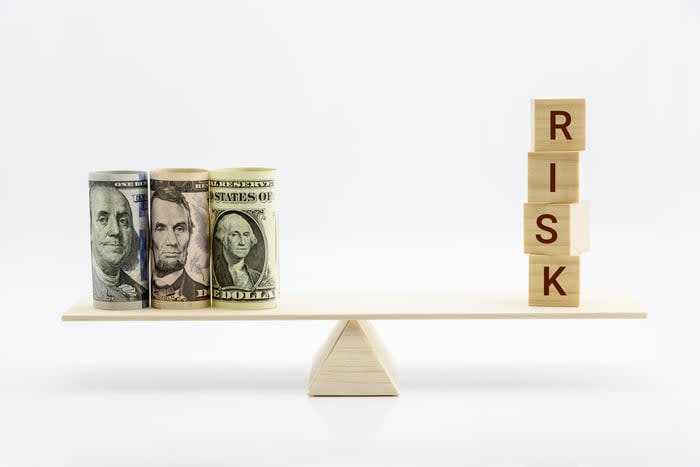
(225,218)
(244,242)
(118,239)
(180,238)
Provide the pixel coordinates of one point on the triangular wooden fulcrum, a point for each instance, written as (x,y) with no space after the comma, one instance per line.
(353,362)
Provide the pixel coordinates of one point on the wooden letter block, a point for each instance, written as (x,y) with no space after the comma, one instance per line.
(556,229)
(559,124)
(554,280)
(552,177)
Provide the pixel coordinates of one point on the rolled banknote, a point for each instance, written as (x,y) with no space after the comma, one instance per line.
(180,238)
(118,239)
(244,238)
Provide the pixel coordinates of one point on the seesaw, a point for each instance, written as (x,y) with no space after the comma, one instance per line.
(353,361)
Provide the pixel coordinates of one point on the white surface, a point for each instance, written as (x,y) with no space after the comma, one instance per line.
(621,392)
(400,130)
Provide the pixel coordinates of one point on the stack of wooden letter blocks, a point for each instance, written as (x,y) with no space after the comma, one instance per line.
(556,221)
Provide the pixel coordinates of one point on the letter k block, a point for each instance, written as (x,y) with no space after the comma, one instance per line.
(554,280)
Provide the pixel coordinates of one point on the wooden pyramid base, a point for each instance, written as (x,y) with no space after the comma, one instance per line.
(352,362)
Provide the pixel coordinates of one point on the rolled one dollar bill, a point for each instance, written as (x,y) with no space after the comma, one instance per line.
(118,239)
(180,238)
(244,238)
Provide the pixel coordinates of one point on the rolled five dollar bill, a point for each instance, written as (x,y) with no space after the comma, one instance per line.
(244,238)
(180,238)
(118,239)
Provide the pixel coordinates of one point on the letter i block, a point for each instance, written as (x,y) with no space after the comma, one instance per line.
(559,124)
(556,229)
(552,177)
(554,280)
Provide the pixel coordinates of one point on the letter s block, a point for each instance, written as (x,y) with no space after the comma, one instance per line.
(554,280)
(559,124)
(556,229)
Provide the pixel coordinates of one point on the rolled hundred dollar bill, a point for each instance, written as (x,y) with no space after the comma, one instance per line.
(180,238)
(118,239)
(244,238)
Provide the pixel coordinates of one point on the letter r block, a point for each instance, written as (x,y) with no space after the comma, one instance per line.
(559,124)
(556,229)
(554,280)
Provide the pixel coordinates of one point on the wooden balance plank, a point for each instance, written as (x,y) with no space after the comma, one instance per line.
(365,306)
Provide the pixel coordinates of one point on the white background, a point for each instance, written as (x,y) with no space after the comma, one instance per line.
(400,132)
